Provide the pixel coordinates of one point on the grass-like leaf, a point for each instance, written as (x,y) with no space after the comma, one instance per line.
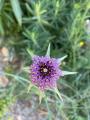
(17,10)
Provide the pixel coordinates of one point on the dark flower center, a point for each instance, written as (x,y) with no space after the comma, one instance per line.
(45,70)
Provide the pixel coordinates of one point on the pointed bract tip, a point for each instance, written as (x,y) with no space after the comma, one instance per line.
(48,51)
(68,73)
(62,58)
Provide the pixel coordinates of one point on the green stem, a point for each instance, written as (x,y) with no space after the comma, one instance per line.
(49,112)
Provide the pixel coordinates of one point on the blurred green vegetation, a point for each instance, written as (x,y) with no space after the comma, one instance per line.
(4,104)
(32,25)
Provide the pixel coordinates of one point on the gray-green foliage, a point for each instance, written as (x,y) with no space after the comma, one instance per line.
(30,25)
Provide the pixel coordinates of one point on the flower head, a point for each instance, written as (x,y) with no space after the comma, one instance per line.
(45,71)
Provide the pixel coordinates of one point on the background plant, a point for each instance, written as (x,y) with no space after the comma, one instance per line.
(32,25)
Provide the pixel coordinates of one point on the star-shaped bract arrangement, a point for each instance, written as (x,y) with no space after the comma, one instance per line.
(45,71)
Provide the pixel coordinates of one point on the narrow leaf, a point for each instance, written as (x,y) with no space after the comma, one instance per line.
(58,93)
(30,53)
(29,88)
(41,96)
(17,10)
(1,4)
(1,27)
(48,51)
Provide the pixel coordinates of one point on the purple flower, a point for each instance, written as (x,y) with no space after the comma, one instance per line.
(45,72)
